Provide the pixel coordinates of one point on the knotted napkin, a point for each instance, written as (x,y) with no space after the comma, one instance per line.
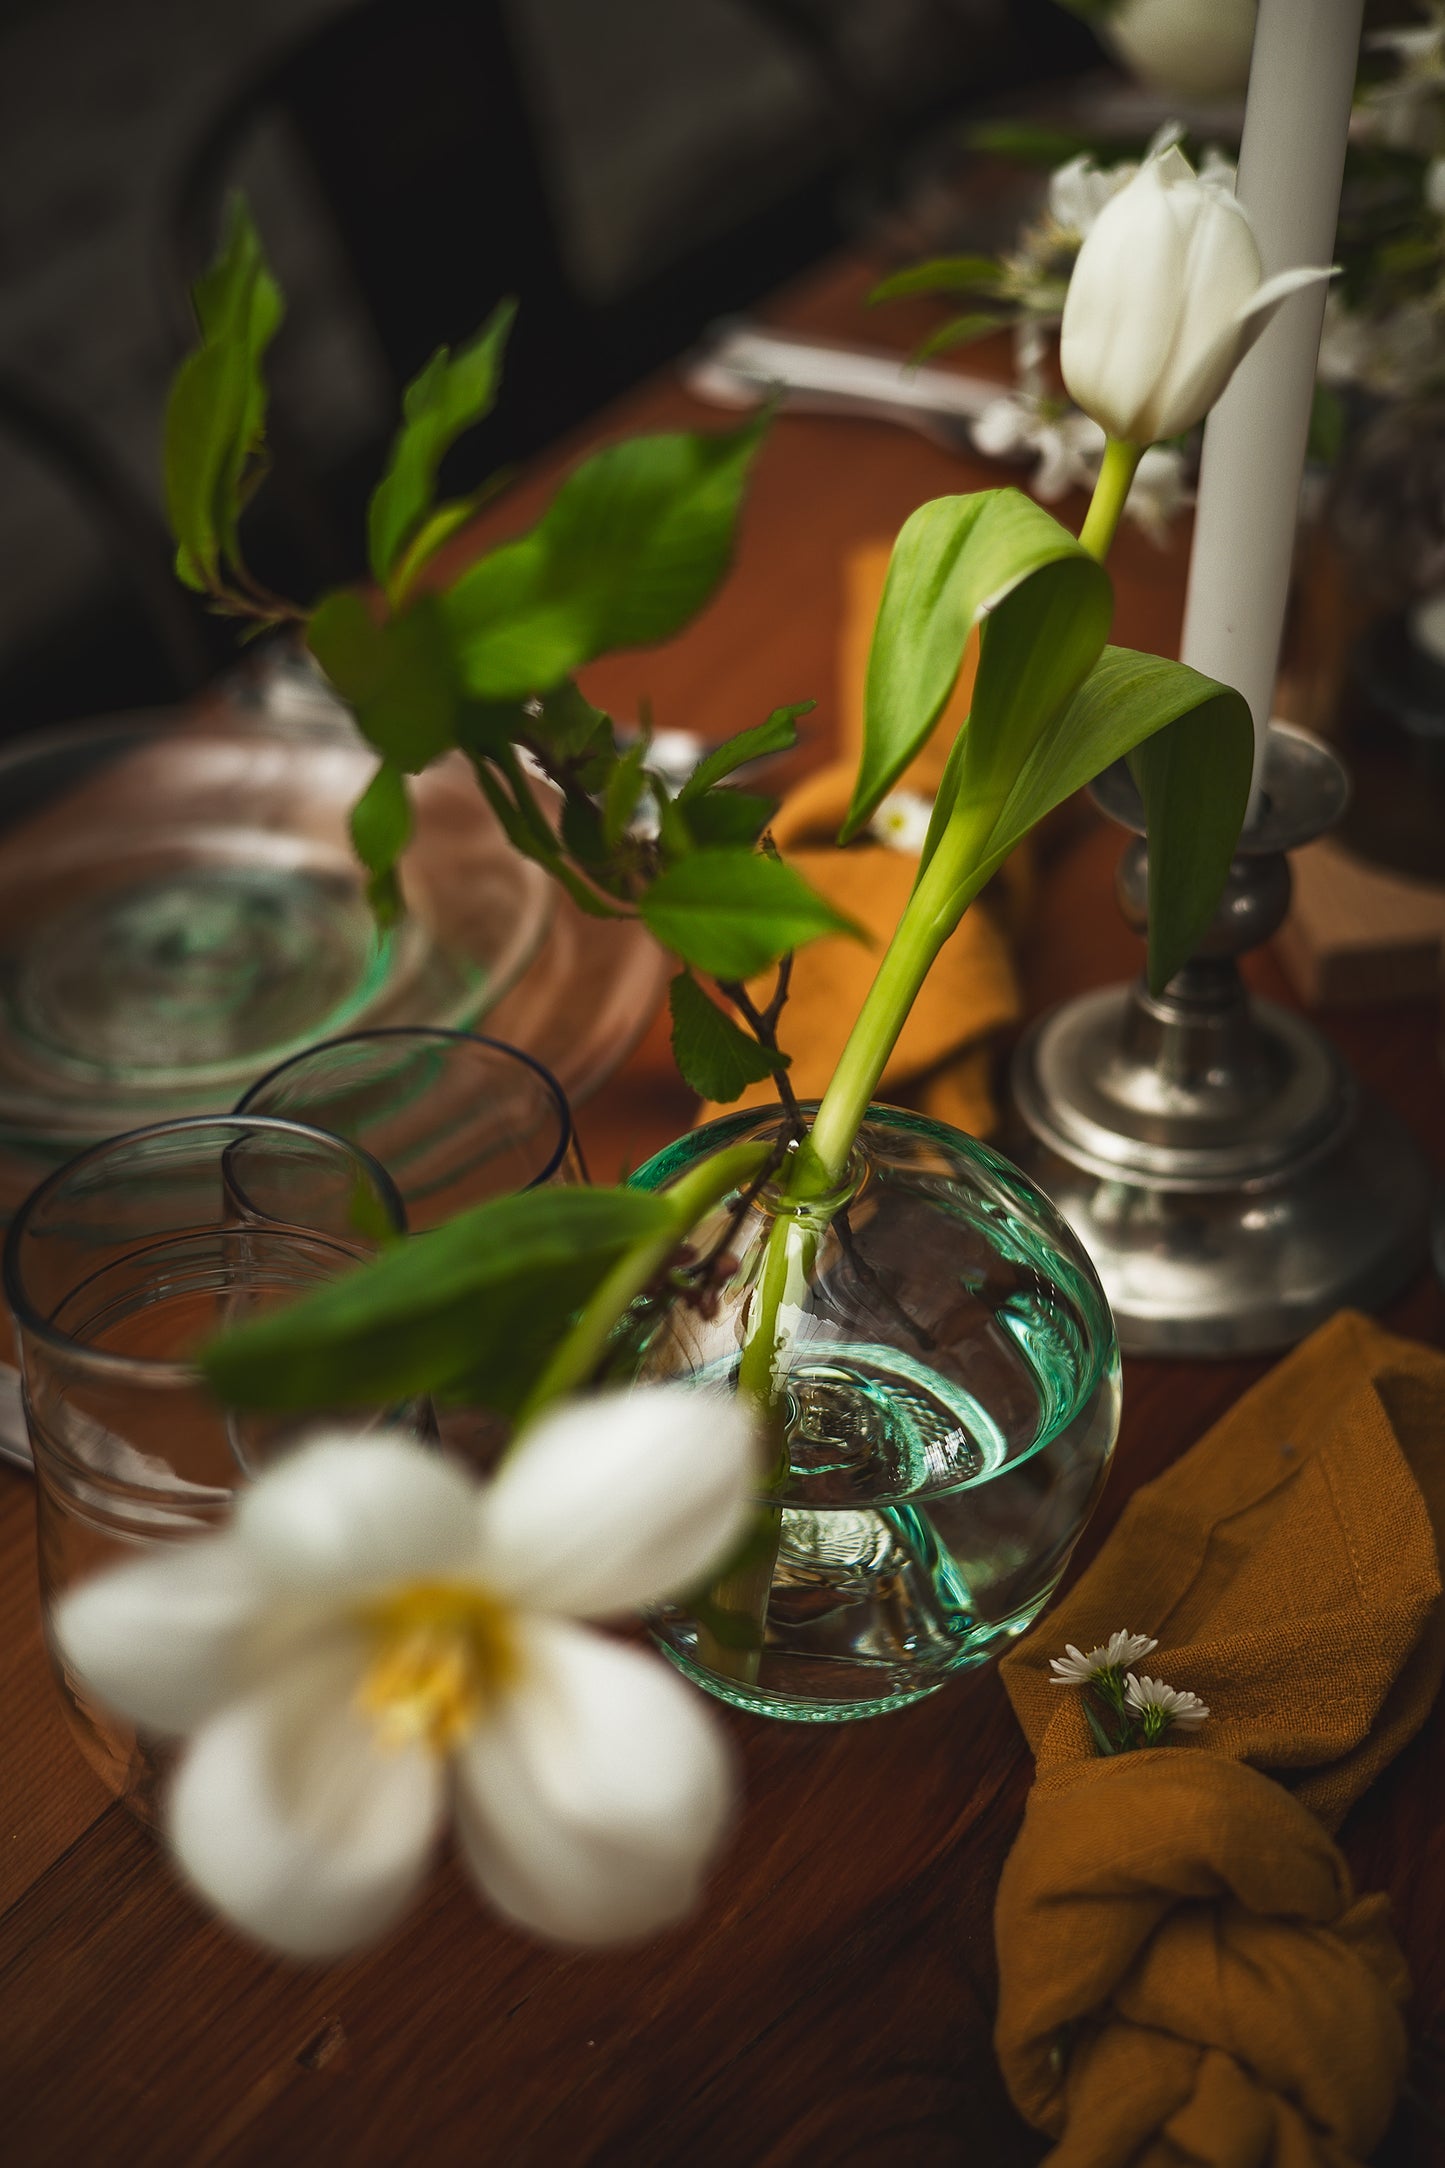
(1186,1973)
(943,1057)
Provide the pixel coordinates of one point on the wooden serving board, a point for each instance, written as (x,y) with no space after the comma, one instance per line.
(1357,934)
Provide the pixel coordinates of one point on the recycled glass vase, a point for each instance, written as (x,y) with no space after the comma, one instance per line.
(948,1392)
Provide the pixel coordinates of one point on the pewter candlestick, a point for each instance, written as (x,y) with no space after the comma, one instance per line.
(1232,1183)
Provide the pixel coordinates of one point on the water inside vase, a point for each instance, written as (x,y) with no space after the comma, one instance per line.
(914,1534)
(951,1405)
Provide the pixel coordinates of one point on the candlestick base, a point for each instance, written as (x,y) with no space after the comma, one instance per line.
(1228,1177)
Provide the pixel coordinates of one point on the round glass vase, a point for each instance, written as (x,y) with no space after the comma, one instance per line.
(949,1403)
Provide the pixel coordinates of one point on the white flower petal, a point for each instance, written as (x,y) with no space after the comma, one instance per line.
(591,1804)
(1222,272)
(348,1512)
(902,821)
(1002,428)
(1196,387)
(1123,302)
(1262,303)
(287,1817)
(620,1499)
(163,1639)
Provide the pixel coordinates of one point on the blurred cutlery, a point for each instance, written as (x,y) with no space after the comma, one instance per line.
(741,364)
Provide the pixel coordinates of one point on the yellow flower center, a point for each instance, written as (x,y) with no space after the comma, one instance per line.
(442,1653)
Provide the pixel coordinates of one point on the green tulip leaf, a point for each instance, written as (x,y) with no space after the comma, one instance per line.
(714,1055)
(451,394)
(1191,745)
(216,413)
(733,912)
(633,544)
(999,559)
(395,672)
(1194,776)
(475,1307)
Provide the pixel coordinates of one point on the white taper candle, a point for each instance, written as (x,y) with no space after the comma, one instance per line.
(1291,161)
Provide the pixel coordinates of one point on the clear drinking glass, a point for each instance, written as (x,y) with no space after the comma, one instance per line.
(950,1405)
(454,1118)
(116,1269)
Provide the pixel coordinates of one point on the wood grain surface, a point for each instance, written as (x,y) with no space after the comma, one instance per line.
(833,1999)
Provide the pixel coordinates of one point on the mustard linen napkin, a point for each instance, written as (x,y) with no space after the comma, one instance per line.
(1186,1973)
(942,1059)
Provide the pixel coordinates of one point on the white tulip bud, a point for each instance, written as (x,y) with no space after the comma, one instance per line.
(1167,296)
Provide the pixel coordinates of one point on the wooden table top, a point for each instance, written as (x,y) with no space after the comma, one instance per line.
(833,1999)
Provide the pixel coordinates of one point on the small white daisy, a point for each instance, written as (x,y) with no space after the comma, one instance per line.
(1076,1669)
(902,821)
(1159,1706)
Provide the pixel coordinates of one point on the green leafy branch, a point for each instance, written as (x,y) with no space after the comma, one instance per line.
(633,544)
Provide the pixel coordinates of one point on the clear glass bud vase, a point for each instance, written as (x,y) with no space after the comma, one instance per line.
(947,1396)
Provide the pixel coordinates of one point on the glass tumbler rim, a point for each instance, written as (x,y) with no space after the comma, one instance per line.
(567,1131)
(155,1369)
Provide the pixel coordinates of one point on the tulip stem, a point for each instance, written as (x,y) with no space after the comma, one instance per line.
(1111,492)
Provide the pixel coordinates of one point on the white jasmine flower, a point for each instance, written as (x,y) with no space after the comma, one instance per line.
(902,821)
(1406,111)
(1065,443)
(1159,1706)
(1076,1669)
(1421,47)
(378,1643)
(1158,492)
(1395,354)
(1166,297)
(1079,190)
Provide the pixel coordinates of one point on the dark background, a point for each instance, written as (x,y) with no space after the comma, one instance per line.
(632,168)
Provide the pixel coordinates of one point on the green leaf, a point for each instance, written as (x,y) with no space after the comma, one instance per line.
(727,816)
(452,392)
(631,547)
(216,412)
(475,1306)
(396,674)
(1050,147)
(778,734)
(1195,751)
(958,331)
(733,912)
(716,1056)
(624,788)
(1103,1744)
(567,723)
(940,275)
(1048,603)
(528,831)
(438,527)
(381,826)
(582,833)
(1194,777)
